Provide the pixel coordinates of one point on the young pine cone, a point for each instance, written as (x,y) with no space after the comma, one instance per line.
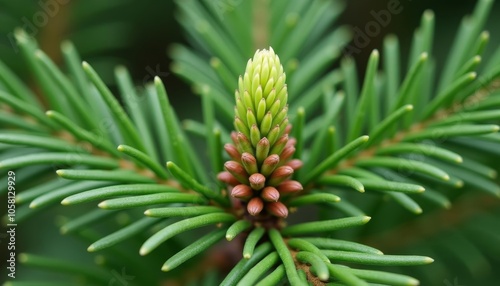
(261,165)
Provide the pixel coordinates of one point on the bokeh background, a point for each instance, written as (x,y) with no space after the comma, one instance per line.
(137,34)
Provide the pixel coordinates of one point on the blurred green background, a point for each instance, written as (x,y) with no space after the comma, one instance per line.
(137,34)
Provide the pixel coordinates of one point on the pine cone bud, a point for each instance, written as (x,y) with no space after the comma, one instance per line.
(270,194)
(233,152)
(234,138)
(269,164)
(244,145)
(242,191)
(255,206)
(227,178)
(295,164)
(241,126)
(277,209)
(262,95)
(278,118)
(279,145)
(288,129)
(291,141)
(249,162)
(287,153)
(257,181)
(273,135)
(261,168)
(266,123)
(289,186)
(251,119)
(237,170)
(254,135)
(262,150)
(279,175)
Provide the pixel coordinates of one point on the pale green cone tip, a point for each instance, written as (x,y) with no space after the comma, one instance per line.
(261,98)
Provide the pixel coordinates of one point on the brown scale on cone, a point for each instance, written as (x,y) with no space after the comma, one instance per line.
(262,165)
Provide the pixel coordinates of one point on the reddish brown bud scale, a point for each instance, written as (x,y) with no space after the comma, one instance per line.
(277,209)
(257,181)
(255,206)
(227,178)
(270,194)
(244,143)
(237,170)
(291,141)
(290,186)
(233,152)
(279,145)
(287,153)
(295,164)
(269,164)
(288,129)
(234,137)
(242,191)
(279,175)
(249,162)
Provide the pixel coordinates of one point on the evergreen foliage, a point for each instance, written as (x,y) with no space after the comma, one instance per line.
(348,168)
